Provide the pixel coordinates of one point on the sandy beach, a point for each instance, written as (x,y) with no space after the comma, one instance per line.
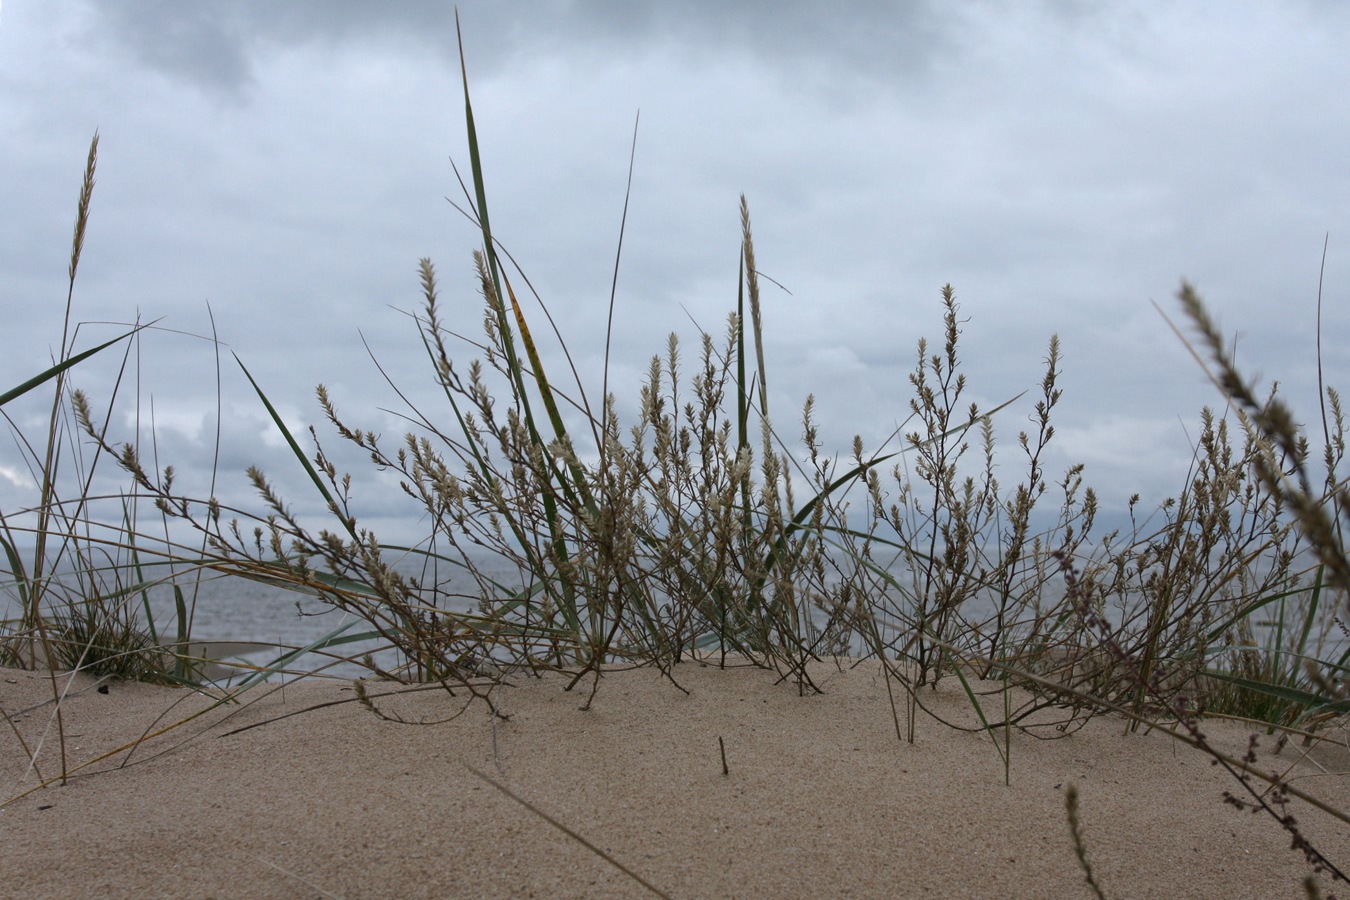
(821,799)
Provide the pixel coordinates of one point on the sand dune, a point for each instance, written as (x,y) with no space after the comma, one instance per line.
(820,799)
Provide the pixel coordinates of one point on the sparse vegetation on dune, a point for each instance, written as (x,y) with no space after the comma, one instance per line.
(699,529)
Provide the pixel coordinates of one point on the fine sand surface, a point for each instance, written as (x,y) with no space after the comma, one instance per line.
(821,799)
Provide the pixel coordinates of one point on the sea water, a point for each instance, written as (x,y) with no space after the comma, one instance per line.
(258,624)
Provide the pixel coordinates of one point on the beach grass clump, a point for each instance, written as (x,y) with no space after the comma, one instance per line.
(1294,674)
(93,579)
(678,534)
(693,530)
(657,541)
(696,530)
(68,575)
(1191,595)
(61,558)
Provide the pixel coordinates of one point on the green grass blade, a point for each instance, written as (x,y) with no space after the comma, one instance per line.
(335,638)
(979,709)
(579,481)
(49,374)
(1310,615)
(1287,693)
(295,446)
(17,569)
(742,389)
(557,532)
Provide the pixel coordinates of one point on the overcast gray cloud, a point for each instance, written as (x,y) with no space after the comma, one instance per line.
(1063,165)
(218,47)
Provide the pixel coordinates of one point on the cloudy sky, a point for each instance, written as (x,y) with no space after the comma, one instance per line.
(1062,164)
